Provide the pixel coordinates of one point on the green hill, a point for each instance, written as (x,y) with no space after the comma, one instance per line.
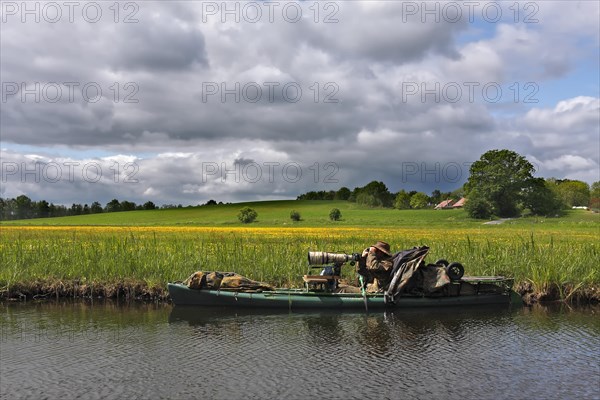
(270,213)
(313,213)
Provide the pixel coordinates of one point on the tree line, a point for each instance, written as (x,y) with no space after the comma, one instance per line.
(22,207)
(501,183)
(377,194)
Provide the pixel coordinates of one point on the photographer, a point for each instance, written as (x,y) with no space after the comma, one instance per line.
(376,265)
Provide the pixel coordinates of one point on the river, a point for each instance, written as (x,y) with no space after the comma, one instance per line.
(105,350)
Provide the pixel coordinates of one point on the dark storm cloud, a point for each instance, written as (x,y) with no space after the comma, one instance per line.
(158,47)
(164,60)
(179,93)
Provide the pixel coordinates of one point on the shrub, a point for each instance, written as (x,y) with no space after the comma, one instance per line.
(295,215)
(478,207)
(335,214)
(247,215)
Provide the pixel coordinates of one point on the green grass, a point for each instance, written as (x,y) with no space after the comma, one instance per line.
(165,245)
(270,214)
(314,214)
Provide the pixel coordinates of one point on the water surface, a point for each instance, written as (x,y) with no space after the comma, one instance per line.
(106,350)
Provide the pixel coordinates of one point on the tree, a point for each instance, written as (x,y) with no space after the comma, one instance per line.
(335,214)
(573,193)
(368,200)
(455,194)
(321,195)
(76,209)
(595,190)
(96,208)
(43,209)
(540,199)
(477,206)
(595,195)
(342,194)
(436,196)
(419,200)
(113,206)
(374,194)
(24,207)
(402,201)
(149,206)
(295,215)
(3,208)
(127,206)
(247,215)
(499,177)
(380,192)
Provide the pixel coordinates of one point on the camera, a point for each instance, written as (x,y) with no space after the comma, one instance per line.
(323,258)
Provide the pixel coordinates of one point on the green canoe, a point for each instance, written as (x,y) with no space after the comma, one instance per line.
(302,299)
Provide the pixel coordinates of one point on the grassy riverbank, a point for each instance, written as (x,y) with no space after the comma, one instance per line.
(549,258)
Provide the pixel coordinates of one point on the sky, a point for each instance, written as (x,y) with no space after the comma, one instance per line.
(185,101)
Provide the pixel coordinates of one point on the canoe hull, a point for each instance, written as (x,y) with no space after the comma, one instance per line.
(300,299)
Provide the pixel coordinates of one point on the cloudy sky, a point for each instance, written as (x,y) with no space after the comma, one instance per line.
(182,102)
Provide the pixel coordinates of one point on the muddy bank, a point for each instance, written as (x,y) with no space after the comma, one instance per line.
(552,293)
(52,289)
(140,290)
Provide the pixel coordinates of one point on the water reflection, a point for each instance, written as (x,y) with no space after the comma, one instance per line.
(380,335)
(373,334)
(324,329)
(112,350)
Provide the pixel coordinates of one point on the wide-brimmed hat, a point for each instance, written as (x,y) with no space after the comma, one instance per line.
(384,247)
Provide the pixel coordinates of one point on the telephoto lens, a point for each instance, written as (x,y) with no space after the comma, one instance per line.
(323,257)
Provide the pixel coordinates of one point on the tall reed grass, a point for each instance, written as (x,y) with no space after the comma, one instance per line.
(157,255)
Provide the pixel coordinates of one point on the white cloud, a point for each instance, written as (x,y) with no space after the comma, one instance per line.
(572,125)
(570,162)
(354,111)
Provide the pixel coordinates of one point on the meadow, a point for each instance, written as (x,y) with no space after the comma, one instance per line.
(137,253)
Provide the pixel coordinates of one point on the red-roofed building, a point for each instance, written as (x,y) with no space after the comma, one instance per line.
(444,205)
(459,203)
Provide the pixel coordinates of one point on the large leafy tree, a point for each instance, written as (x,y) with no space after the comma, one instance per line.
(500,178)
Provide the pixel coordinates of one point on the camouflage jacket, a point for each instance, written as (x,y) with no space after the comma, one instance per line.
(380,269)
